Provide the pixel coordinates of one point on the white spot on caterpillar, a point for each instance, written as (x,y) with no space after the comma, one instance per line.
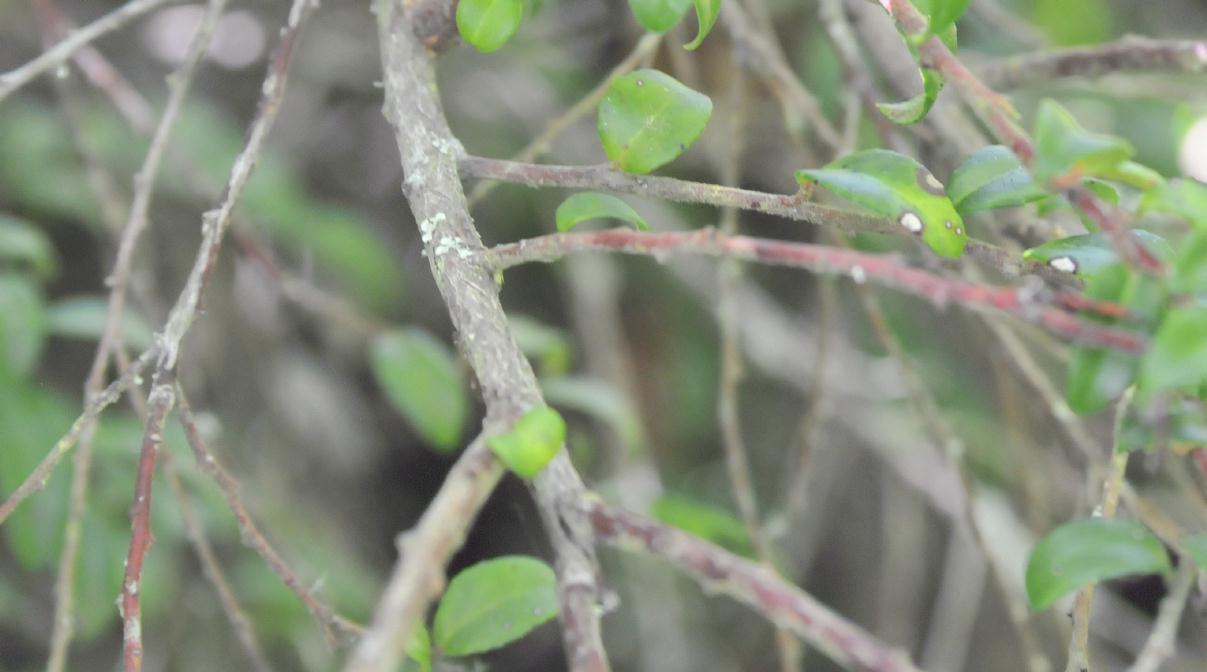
(959,230)
(911,222)
(947,224)
(1063,264)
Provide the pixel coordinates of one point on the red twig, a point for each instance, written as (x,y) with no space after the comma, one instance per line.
(181,318)
(887,270)
(718,570)
(998,114)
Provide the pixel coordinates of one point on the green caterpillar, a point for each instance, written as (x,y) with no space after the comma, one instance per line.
(894,185)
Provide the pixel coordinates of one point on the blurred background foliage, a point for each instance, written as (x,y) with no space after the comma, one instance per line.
(332,460)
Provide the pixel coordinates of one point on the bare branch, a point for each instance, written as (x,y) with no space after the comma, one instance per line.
(56,55)
(1130,54)
(336,628)
(429,155)
(718,570)
(887,270)
(791,206)
(182,316)
(1161,643)
(136,223)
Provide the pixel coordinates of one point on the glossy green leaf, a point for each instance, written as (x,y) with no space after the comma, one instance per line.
(26,245)
(488,24)
(550,347)
(1066,151)
(532,442)
(22,325)
(1196,546)
(494,603)
(647,119)
(707,12)
(659,16)
(1184,198)
(84,317)
(420,378)
(1190,266)
(590,205)
(1178,354)
(895,186)
(991,178)
(1089,253)
(703,520)
(419,651)
(1082,552)
(598,399)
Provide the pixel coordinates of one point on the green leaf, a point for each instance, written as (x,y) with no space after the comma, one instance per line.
(1178,355)
(1196,546)
(659,16)
(707,12)
(894,185)
(1089,253)
(419,651)
(1064,150)
(1085,551)
(647,119)
(420,377)
(548,345)
(941,13)
(703,520)
(594,205)
(1190,267)
(991,178)
(914,110)
(84,317)
(488,24)
(494,603)
(22,325)
(1184,198)
(23,243)
(598,399)
(532,442)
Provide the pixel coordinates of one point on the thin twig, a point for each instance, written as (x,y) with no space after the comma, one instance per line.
(429,154)
(728,414)
(136,223)
(56,55)
(773,598)
(790,206)
(185,311)
(539,145)
(1079,643)
(38,478)
(1161,644)
(193,527)
(887,270)
(1129,54)
(99,71)
(766,61)
(336,628)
